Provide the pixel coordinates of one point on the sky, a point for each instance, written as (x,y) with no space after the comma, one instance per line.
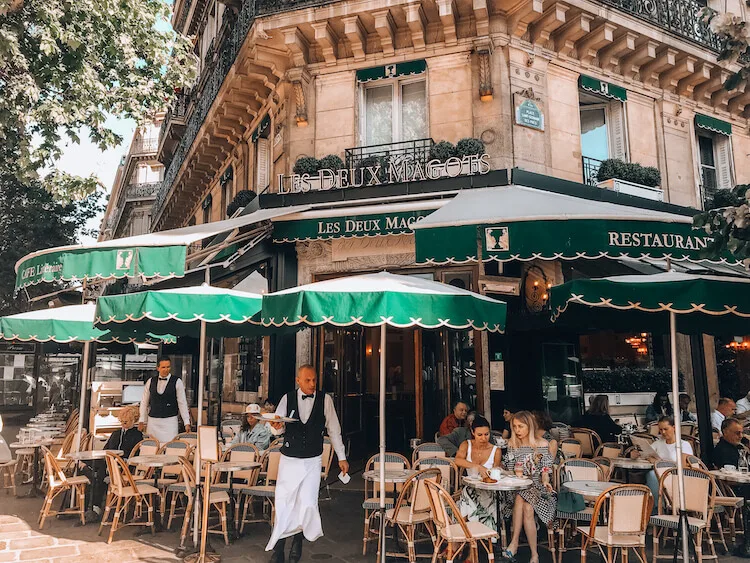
(85,159)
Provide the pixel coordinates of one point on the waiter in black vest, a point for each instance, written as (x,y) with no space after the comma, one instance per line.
(163,400)
(300,466)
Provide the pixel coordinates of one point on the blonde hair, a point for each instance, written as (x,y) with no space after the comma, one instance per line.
(128,414)
(525,417)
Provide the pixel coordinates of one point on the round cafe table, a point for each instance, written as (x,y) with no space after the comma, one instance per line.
(156,462)
(508,482)
(734,477)
(34,491)
(631,464)
(589,489)
(392,476)
(91,455)
(229,467)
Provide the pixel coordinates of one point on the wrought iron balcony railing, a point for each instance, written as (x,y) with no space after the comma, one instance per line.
(176,113)
(144,190)
(412,151)
(144,145)
(590,170)
(680,17)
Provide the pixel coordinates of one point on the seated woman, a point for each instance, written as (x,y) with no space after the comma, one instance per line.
(665,448)
(597,419)
(544,425)
(530,456)
(478,455)
(252,430)
(661,406)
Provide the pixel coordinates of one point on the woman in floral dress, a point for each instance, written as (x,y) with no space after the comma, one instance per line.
(529,455)
(478,456)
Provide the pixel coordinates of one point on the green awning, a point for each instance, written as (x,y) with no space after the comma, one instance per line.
(602,88)
(520,223)
(358,225)
(154,255)
(264,124)
(712,124)
(392,71)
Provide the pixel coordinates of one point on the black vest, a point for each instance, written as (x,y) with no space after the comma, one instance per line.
(164,405)
(305,440)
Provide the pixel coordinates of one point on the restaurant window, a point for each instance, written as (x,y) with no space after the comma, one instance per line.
(18,383)
(394,110)
(603,133)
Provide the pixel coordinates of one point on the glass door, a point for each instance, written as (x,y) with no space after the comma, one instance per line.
(561,381)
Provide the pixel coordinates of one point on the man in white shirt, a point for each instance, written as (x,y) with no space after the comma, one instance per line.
(163,400)
(300,465)
(725,408)
(743,407)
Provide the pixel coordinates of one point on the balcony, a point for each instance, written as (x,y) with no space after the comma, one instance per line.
(412,151)
(133,193)
(144,146)
(172,126)
(590,170)
(590,176)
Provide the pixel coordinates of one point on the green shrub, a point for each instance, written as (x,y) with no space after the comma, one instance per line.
(628,380)
(469,147)
(306,165)
(242,198)
(374,160)
(442,151)
(628,171)
(331,162)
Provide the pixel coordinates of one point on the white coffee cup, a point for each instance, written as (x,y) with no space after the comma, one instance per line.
(730,468)
(496,474)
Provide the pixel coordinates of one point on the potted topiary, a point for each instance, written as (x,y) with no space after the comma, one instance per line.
(442,151)
(306,165)
(630,178)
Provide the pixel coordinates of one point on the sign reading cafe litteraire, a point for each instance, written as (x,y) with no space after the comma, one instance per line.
(391,171)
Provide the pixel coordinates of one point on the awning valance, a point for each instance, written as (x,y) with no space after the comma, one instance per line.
(602,88)
(392,71)
(520,223)
(712,124)
(352,222)
(154,255)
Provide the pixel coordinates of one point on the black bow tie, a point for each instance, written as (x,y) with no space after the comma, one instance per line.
(308,396)
(163,378)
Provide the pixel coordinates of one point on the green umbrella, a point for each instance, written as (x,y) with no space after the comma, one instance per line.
(73,323)
(704,304)
(382,299)
(186,311)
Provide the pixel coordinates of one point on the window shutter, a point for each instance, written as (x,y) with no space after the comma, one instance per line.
(618,139)
(723,161)
(263,148)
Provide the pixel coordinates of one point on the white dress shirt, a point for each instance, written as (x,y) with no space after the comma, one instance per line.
(716,419)
(743,405)
(669,451)
(161,385)
(305,409)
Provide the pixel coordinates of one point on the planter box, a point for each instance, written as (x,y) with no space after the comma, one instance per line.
(631,188)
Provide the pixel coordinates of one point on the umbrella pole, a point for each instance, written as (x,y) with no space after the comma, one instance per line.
(678,434)
(84,388)
(201,377)
(381,407)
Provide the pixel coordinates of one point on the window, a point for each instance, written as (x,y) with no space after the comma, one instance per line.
(707,163)
(602,132)
(262,163)
(714,163)
(394,111)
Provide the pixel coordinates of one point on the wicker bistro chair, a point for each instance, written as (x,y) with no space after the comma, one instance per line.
(427,449)
(700,497)
(58,482)
(449,473)
(122,491)
(186,488)
(189,437)
(589,439)
(571,448)
(628,508)
(576,470)
(241,480)
(413,510)
(325,465)
(266,492)
(611,450)
(453,531)
(606,464)
(149,446)
(371,503)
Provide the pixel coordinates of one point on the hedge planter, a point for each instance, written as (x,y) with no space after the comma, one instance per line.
(631,188)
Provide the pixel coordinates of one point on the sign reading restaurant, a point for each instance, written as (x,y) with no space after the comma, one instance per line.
(392,171)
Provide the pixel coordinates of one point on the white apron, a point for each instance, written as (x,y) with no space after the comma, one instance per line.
(162,429)
(296,500)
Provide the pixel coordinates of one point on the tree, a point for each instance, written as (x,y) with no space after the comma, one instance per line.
(67,65)
(32,219)
(727,220)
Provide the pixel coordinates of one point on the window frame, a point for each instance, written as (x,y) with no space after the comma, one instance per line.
(396,85)
(598,106)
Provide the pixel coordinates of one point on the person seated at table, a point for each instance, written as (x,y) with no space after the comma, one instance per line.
(124,438)
(687,416)
(727,449)
(665,448)
(544,425)
(530,456)
(597,419)
(455,419)
(268,406)
(451,442)
(478,455)
(725,408)
(507,417)
(661,406)
(252,430)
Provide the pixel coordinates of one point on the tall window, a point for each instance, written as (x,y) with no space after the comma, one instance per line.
(394,111)
(707,163)
(602,132)
(714,162)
